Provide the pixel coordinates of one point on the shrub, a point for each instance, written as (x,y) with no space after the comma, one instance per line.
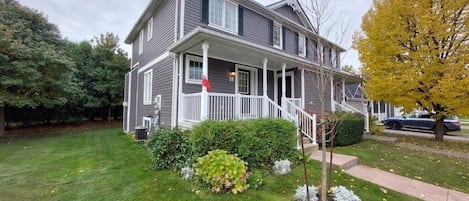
(170,149)
(259,142)
(340,193)
(282,167)
(374,128)
(349,129)
(222,171)
(256,179)
(301,194)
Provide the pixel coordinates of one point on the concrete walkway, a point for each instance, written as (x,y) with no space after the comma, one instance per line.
(394,182)
(426,134)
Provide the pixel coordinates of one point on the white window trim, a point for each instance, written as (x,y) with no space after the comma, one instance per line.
(147,96)
(303,53)
(280,35)
(188,59)
(150,29)
(140,42)
(149,119)
(253,79)
(223,26)
(276,84)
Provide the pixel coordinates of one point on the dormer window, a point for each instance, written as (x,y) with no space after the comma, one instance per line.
(301,45)
(224,15)
(150,29)
(277,35)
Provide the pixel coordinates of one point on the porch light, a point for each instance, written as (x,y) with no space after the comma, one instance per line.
(232,76)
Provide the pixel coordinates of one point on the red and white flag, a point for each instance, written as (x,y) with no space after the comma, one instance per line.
(206,83)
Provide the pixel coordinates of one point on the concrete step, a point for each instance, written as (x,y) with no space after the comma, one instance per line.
(341,161)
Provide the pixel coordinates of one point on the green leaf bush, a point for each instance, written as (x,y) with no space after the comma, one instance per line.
(222,171)
(259,142)
(350,128)
(170,149)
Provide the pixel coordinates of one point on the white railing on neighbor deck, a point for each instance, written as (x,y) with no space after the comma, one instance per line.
(191,107)
(295,101)
(306,122)
(344,106)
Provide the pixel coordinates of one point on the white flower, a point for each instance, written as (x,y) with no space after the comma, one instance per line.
(282,167)
(187,173)
(340,193)
(301,194)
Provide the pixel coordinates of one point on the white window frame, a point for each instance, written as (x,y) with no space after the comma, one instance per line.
(280,35)
(140,42)
(223,17)
(253,82)
(150,29)
(301,45)
(190,58)
(147,87)
(150,122)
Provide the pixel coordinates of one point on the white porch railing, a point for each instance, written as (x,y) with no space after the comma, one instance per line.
(344,106)
(191,107)
(305,122)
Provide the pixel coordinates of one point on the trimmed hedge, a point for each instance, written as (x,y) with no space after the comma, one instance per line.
(259,142)
(350,130)
(170,149)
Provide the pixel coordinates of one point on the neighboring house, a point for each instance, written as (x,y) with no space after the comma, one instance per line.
(260,62)
(378,109)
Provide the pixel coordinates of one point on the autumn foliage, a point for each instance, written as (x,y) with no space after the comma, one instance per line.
(415,55)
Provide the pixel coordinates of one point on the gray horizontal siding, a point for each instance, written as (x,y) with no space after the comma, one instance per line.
(163,34)
(288,12)
(290,41)
(162,85)
(312,98)
(218,75)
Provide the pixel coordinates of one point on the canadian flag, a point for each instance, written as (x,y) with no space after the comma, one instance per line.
(206,83)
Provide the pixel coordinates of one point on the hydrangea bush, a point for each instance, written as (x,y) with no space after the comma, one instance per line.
(301,194)
(282,167)
(340,193)
(187,173)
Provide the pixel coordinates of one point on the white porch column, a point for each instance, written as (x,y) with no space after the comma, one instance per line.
(332,94)
(302,88)
(284,85)
(265,103)
(343,90)
(181,99)
(204,96)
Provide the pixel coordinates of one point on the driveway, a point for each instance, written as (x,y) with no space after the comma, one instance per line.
(427,134)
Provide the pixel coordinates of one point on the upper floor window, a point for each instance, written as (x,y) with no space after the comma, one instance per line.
(301,45)
(277,35)
(140,42)
(150,29)
(147,87)
(193,69)
(224,14)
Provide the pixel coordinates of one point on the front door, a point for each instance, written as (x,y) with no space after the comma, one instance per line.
(289,88)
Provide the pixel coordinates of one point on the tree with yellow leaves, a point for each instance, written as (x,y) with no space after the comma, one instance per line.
(415,53)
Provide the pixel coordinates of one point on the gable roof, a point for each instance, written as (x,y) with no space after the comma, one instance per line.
(297,8)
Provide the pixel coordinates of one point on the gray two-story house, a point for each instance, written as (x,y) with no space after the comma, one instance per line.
(261,61)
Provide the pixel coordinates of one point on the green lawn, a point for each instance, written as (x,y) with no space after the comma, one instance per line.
(104,164)
(437,169)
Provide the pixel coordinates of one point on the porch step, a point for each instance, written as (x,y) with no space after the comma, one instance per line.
(338,160)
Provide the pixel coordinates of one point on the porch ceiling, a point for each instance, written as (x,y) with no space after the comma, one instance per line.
(234,49)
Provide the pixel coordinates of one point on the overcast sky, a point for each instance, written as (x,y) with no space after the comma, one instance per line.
(80,20)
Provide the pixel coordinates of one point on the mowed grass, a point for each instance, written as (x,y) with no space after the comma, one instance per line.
(104,164)
(445,171)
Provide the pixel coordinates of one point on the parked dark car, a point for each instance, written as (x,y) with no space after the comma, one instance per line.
(421,120)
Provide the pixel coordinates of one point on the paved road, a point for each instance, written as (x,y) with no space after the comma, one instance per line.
(426,134)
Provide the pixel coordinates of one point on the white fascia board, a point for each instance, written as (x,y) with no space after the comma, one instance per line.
(153,62)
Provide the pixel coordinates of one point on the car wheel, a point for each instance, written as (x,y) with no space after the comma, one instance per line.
(394,125)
